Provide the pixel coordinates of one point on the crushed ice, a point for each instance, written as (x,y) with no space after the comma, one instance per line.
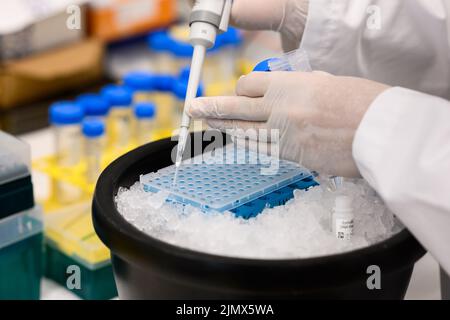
(299,229)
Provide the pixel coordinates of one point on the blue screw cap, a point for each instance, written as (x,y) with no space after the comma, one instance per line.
(184,73)
(161,41)
(140,81)
(66,113)
(263,66)
(180,89)
(118,96)
(93,104)
(145,110)
(233,37)
(181,49)
(164,82)
(93,128)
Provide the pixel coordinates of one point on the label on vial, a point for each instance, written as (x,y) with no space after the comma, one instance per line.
(344,228)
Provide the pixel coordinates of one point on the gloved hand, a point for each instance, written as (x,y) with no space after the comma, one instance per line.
(285,16)
(317,115)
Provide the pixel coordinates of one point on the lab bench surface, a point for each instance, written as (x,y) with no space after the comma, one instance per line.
(424,283)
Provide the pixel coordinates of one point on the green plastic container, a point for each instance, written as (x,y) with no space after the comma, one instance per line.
(96,284)
(21,255)
(71,242)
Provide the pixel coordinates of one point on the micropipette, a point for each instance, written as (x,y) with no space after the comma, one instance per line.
(208,18)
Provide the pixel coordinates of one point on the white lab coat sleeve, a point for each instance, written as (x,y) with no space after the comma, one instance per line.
(402,148)
(403,43)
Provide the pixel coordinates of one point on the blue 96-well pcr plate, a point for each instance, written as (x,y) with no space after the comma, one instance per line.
(225,179)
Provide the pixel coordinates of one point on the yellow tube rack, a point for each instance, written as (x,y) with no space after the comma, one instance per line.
(71,231)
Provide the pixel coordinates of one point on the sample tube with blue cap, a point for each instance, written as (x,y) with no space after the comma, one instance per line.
(163,100)
(162,62)
(93,132)
(97,107)
(296,60)
(172,48)
(65,118)
(182,53)
(154,88)
(94,105)
(145,125)
(120,99)
(180,46)
(142,84)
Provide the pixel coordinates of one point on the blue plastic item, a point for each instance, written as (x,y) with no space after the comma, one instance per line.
(93,128)
(180,85)
(181,49)
(118,96)
(231,38)
(184,73)
(145,110)
(164,82)
(139,81)
(158,40)
(296,60)
(161,41)
(93,105)
(228,179)
(263,66)
(66,113)
(274,199)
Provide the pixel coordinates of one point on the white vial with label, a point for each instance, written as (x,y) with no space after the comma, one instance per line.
(343,218)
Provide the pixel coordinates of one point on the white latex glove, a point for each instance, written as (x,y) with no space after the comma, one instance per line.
(316,114)
(285,16)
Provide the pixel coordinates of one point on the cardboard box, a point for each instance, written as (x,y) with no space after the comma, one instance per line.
(28,27)
(112,20)
(42,76)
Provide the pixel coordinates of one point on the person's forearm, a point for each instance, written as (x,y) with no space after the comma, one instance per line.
(402,148)
(400,43)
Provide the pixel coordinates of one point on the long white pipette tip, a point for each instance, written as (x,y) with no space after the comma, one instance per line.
(182,139)
(194,80)
(180,152)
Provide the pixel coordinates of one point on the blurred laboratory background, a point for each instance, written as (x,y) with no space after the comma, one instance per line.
(82,83)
